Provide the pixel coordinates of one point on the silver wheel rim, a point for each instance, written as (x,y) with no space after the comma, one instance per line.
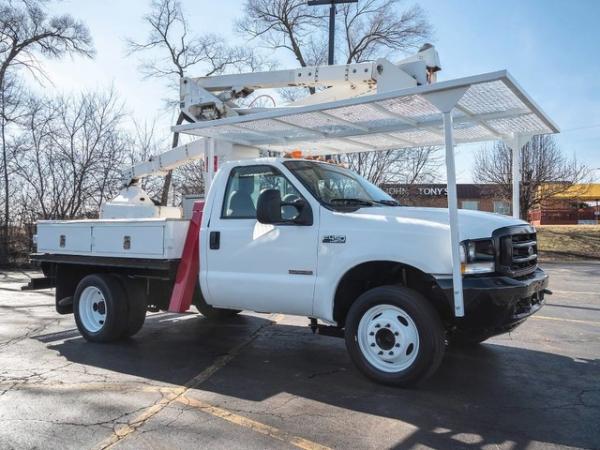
(92,309)
(388,338)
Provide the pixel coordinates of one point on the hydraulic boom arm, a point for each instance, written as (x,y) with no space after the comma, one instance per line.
(209,98)
(164,162)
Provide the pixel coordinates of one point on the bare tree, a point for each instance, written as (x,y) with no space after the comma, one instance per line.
(171,51)
(542,165)
(145,143)
(190,178)
(381,27)
(286,24)
(404,166)
(70,154)
(26,31)
(370,27)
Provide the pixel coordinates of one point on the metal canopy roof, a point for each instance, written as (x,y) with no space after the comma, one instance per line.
(493,107)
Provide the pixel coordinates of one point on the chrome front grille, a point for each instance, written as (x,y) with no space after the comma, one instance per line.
(517,250)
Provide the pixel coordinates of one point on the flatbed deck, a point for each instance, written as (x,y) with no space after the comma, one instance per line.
(166,265)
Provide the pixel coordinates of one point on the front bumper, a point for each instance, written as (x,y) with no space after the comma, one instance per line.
(497,304)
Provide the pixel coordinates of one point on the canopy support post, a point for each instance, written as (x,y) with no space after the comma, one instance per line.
(445,101)
(516,143)
(459,308)
(210,164)
(516,181)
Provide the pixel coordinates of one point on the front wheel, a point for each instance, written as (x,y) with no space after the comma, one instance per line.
(394,336)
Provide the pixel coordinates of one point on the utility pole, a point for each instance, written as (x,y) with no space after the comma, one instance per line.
(332,12)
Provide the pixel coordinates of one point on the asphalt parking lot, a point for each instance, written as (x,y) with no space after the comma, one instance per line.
(265,381)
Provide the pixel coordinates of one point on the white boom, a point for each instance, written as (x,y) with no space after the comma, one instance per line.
(209,98)
(165,161)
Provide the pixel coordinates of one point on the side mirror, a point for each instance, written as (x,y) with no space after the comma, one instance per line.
(268,206)
(270,209)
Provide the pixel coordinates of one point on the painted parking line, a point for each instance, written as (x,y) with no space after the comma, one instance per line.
(123,431)
(559,319)
(253,425)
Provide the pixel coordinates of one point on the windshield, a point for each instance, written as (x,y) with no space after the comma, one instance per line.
(338,188)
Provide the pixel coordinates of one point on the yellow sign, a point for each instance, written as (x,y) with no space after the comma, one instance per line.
(584,192)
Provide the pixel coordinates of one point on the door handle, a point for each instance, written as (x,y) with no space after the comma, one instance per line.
(215,240)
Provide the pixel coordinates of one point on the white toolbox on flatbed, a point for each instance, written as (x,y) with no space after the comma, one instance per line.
(160,238)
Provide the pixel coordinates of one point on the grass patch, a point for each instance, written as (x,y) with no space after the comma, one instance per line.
(569,242)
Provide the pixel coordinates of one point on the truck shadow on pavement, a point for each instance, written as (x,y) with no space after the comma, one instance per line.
(491,395)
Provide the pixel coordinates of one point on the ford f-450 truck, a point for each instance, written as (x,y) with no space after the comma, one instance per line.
(314,239)
(303,237)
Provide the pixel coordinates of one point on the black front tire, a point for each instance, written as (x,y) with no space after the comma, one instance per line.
(114,306)
(428,325)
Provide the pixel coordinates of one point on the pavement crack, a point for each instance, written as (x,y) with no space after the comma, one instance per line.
(31,332)
(168,398)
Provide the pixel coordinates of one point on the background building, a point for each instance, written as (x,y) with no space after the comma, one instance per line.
(482,197)
(578,204)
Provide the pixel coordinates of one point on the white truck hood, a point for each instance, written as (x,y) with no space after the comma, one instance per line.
(471,224)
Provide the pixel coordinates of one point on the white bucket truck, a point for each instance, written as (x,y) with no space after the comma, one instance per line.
(303,237)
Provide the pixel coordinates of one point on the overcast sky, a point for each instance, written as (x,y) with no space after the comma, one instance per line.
(551,47)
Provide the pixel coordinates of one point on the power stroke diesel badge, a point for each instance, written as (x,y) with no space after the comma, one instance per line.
(334,239)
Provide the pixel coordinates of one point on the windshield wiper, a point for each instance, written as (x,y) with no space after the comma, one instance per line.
(387,202)
(363,202)
(351,201)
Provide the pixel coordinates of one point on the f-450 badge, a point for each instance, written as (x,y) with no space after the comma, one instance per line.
(334,239)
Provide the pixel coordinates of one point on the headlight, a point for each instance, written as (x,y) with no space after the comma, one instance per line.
(477,256)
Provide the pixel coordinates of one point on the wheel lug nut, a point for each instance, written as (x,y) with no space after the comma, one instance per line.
(373,344)
(371,334)
(388,325)
(377,326)
(391,353)
(397,345)
(396,334)
(380,352)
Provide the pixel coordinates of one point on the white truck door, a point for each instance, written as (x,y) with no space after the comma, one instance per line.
(253,266)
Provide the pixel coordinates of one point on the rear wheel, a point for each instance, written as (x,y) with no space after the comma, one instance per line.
(100,308)
(137,304)
(394,336)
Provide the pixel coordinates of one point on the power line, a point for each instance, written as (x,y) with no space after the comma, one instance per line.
(586,127)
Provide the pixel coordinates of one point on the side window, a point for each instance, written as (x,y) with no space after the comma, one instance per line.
(245,185)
